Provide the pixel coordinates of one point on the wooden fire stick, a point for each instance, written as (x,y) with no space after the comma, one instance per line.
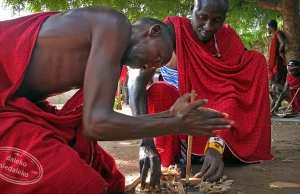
(189,150)
(291,101)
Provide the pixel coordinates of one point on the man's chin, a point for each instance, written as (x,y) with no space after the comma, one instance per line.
(205,39)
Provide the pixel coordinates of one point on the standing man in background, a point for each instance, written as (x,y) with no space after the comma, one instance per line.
(277,62)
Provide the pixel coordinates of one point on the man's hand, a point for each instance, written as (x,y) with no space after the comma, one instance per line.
(212,168)
(275,108)
(197,120)
(180,104)
(150,159)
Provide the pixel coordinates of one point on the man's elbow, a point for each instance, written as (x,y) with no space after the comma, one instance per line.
(96,128)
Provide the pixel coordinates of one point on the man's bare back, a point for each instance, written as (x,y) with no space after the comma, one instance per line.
(60,55)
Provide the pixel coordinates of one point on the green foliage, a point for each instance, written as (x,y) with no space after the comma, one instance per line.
(248,19)
(116,104)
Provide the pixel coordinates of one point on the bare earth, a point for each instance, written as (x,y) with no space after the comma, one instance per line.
(280,176)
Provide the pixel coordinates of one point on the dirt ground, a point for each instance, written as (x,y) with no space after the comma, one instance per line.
(280,176)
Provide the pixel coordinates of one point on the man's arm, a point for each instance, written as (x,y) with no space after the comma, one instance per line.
(283,42)
(137,84)
(282,95)
(138,98)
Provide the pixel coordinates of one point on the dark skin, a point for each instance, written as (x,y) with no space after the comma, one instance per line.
(208,17)
(275,88)
(85,48)
(295,72)
(282,40)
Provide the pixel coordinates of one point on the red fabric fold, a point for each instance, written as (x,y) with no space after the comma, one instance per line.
(236,84)
(123,75)
(294,83)
(80,161)
(161,96)
(272,58)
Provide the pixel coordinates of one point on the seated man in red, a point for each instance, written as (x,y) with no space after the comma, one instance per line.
(292,84)
(212,60)
(45,150)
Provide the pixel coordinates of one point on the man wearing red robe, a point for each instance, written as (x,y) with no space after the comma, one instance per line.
(276,63)
(212,60)
(292,84)
(45,150)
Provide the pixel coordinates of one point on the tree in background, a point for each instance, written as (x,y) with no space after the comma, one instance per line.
(248,17)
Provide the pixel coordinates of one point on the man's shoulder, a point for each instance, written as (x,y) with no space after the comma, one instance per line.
(280,33)
(99,15)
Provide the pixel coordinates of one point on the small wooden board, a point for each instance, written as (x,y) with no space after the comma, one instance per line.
(192,181)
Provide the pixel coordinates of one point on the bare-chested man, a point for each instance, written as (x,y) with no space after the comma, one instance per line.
(46,54)
(277,61)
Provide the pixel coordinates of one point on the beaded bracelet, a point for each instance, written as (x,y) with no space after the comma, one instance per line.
(216,143)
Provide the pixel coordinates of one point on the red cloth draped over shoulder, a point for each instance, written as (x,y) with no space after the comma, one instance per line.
(18,38)
(294,83)
(236,84)
(272,58)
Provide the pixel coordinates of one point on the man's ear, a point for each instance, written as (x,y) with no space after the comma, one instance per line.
(155,30)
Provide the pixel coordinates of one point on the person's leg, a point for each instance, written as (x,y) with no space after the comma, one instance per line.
(48,165)
(161,97)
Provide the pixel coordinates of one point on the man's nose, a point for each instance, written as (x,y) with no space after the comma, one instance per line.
(208,26)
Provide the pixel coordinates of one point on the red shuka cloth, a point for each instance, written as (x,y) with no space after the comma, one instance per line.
(272,58)
(123,75)
(236,84)
(70,163)
(294,83)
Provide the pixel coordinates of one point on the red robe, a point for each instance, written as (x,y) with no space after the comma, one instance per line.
(294,83)
(56,157)
(123,75)
(276,64)
(272,58)
(236,84)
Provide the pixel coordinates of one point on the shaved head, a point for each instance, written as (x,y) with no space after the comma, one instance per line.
(151,45)
(208,17)
(220,4)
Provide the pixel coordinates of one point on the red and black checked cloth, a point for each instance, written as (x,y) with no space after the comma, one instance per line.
(236,84)
(294,83)
(21,120)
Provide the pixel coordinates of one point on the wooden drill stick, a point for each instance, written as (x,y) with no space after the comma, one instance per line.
(189,150)
(292,101)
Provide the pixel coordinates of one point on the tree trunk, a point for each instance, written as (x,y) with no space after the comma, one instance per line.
(291,21)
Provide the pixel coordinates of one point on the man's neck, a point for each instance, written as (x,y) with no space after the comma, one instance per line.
(273,31)
(173,35)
